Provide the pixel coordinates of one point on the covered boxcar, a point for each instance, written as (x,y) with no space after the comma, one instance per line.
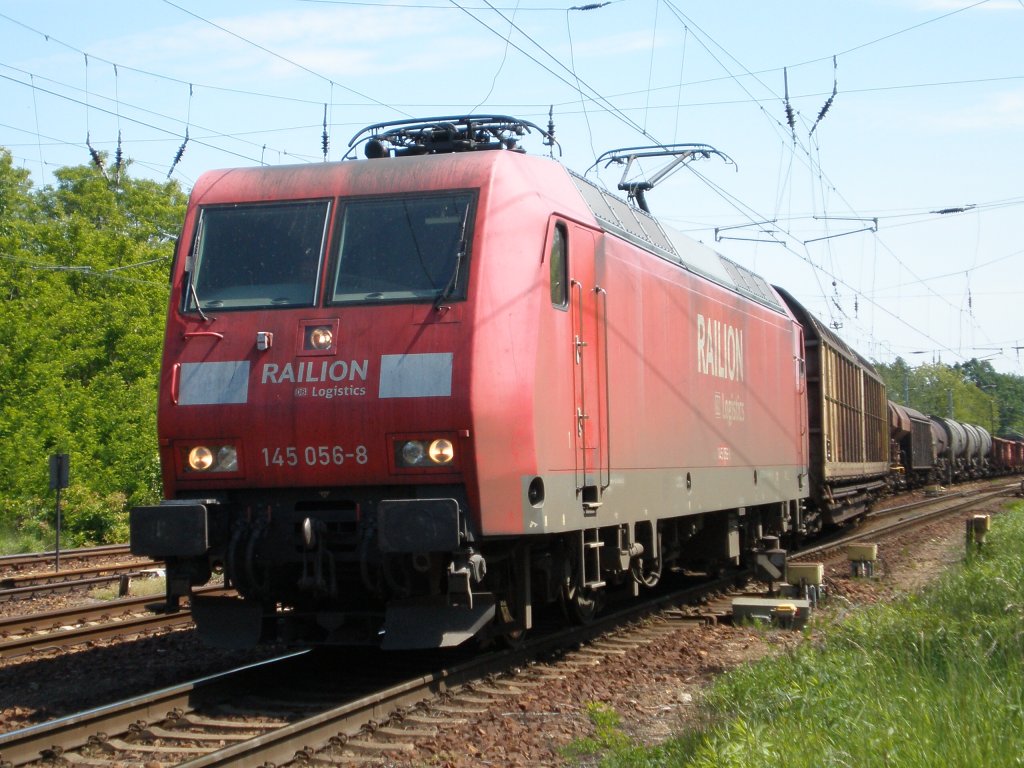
(1002,458)
(848,425)
(913,452)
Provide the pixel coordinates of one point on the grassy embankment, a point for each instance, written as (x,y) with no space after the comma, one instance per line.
(14,541)
(936,679)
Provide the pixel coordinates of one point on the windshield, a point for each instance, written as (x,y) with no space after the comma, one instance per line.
(265,255)
(401,249)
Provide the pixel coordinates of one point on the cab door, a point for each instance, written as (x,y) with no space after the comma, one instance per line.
(588,307)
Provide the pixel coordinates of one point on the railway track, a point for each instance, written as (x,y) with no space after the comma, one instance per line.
(28,587)
(331,715)
(69,636)
(59,578)
(895,519)
(42,560)
(21,579)
(326,702)
(79,624)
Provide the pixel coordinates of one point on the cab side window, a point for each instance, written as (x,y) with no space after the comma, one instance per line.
(558,264)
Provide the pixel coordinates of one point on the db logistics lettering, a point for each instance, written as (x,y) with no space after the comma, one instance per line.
(328,393)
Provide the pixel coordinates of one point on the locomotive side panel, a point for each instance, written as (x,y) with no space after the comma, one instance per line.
(692,396)
(633,390)
(715,372)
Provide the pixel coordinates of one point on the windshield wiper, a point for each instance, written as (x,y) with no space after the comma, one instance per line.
(190,268)
(453,281)
(195,298)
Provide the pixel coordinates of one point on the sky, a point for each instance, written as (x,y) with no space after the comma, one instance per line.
(872,151)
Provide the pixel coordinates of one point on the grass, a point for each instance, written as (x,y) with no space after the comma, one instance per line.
(936,679)
(16,541)
(146,587)
(608,736)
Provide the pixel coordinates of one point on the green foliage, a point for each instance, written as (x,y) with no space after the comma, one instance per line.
(972,392)
(608,736)
(21,535)
(83,282)
(88,518)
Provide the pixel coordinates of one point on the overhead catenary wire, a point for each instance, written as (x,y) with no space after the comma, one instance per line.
(181,150)
(87,270)
(116,67)
(640,115)
(285,59)
(577,84)
(790,116)
(152,126)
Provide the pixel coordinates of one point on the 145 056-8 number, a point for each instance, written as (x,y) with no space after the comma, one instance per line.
(312,456)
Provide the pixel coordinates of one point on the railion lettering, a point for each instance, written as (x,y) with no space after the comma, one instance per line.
(312,372)
(719,349)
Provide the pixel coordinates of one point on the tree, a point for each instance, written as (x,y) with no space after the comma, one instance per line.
(84,281)
(973,392)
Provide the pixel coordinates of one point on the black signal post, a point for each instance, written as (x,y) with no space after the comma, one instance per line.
(59,473)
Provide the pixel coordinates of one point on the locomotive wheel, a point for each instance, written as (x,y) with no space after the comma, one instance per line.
(511,634)
(512,638)
(508,630)
(581,605)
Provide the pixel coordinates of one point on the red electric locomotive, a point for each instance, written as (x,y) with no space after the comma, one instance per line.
(406,398)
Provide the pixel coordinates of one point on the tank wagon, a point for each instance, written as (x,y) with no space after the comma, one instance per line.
(979,450)
(962,450)
(938,449)
(408,397)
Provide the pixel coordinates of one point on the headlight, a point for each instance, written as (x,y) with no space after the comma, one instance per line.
(413,454)
(441,451)
(212,458)
(200,458)
(227,459)
(438,452)
(320,338)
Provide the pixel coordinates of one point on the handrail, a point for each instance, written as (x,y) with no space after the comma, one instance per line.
(581,410)
(175,370)
(607,421)
(192,334)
